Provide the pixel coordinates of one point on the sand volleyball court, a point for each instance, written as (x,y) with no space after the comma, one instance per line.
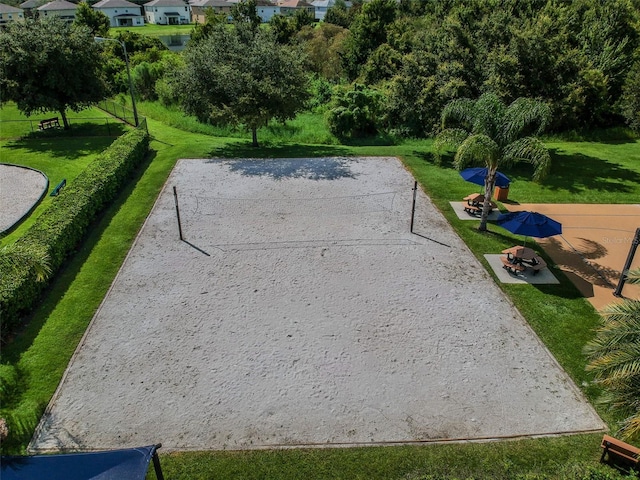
(300,311)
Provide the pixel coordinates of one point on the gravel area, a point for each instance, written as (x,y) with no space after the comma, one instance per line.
(20,190)
(300,311)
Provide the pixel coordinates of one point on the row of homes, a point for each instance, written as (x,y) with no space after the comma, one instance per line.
(123,13)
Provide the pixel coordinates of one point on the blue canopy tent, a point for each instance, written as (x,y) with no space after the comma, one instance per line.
(129,464)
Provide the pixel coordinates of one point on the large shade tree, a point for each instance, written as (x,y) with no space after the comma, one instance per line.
(50,66)
(614,356)
(237,79)
(489,133)
(93,19)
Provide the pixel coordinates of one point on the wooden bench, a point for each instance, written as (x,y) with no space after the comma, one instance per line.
(619,454)
(472,209)
(49,123)
(60,186)
(512,267)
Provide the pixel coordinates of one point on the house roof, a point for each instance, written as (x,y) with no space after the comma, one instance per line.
(259,3)
(31,4)
(323,3)
(166,3)
(58,5)
(293,3)
(9,9)
(115,4)
(211,3)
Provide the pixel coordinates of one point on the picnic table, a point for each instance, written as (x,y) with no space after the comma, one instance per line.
(519,258)
(475,203)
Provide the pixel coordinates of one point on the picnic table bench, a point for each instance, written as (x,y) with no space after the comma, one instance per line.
(49,123)
(60,186)
(512,266)
(474,203)
(523,258)
(472,209)
(619,454)
(537,264)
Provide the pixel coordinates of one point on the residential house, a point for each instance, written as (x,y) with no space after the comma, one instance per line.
(30,7)
(59,8)
(167,12)
(289,7)
(199,7)
(121,13)
(265,9)
(322,6)
(10,14)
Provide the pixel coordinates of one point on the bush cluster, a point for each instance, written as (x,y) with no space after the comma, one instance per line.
(63,225)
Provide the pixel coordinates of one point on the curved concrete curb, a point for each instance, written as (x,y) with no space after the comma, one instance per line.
(21,191)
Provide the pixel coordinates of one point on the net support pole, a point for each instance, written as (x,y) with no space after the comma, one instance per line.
(175,197)
(156,461)
(413,206)
(623,276)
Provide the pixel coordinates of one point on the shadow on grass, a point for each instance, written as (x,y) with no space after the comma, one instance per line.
(577,172)
(266,150)
(60,147)
(570,172)
(446,161)
(610,136)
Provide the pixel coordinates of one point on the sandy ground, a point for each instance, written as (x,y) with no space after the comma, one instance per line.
(20,190)
(593,247)
(303,312)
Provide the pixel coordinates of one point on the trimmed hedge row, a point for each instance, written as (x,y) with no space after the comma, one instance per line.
(63,225)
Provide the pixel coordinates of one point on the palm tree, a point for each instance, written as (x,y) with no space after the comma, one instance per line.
(614,356)
(16,257)
(487,132)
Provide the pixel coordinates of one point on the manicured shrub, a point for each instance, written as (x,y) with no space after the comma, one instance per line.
(355,112)
(63,225)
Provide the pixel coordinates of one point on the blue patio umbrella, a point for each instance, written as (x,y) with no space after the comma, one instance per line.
(530,224)
(478,174)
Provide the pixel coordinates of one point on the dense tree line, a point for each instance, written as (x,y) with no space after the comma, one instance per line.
(580,56)
(407,60)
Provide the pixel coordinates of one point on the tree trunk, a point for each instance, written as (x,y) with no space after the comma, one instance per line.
(65,121)
(254,135)
(489,183)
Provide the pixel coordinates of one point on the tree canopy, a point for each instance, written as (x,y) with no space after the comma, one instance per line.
(576,56)
(50,66)
(95,20)
(234,78)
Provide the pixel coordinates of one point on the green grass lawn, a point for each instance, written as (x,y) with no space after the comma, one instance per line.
(57,153)
(85,123)
(561,317)
(155,30)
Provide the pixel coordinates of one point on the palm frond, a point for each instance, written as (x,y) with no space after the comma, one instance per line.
(459,112)
(531,150)
(489,113)
(627,311)
(477,150)
(631,427)
(633,276)
(16,257)
(525,117)
(621,324)
(448,139)
(621,364)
